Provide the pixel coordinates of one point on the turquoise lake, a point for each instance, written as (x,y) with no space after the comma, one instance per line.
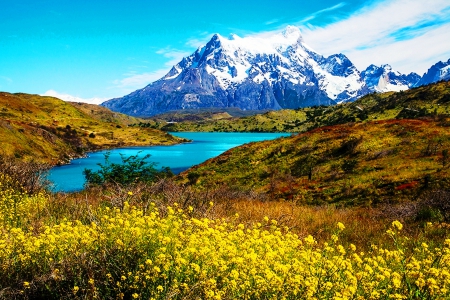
(204,145)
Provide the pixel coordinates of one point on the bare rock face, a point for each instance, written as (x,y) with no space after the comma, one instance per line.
(384,79)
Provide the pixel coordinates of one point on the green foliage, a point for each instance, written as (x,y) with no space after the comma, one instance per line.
(193,177)
(429,214)
(132,169)
(444,157)
(305,166)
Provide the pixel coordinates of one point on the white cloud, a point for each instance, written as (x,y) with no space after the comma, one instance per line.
(319,12)
(270,22)
(408,34)
(134,80)
(67,97)
(174,55)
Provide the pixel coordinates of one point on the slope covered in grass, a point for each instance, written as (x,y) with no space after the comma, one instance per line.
(354,163)
(51,130)
(430,100)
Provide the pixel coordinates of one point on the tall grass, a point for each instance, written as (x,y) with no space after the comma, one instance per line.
(167,241)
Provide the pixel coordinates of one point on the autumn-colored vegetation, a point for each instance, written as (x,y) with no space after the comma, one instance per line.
(356,209)
(47,129)
(166,241)
(352,164)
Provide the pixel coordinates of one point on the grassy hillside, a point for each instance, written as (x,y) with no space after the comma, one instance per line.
(216,236)
(51,130)
(428,100)
(355,163)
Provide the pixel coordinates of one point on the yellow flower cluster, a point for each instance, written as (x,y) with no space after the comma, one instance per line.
(16,208)
(126,254)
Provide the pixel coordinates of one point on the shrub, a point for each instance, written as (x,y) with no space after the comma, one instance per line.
(28,177)
(132,169)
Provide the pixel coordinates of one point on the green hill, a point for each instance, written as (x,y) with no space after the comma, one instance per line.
(354,163)
(430,100)
(51,130)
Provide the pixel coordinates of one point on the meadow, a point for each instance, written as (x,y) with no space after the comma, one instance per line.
(161,240)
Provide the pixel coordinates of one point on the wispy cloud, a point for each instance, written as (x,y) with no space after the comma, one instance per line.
(134,80)
(407,34)
(4,79)
(7,79)
(319,12)
(173,55)
(198,41)
(270,22)
(67,97)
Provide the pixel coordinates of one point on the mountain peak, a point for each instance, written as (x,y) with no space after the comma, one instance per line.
(384,78)
(292,33)
(264,71)
(233,37)
(386,67)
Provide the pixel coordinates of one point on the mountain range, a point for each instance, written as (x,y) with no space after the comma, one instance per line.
(265,73)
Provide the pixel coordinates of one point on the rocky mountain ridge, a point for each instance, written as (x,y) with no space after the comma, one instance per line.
(260,73)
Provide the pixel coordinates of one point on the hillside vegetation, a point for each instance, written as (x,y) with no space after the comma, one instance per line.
(354,163)
(163,241)
(236,226)
(433,99)
(51,130)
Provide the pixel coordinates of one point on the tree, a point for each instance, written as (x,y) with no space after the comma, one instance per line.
(132,169)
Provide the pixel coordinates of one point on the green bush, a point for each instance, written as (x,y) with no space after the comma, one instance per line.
(132,169)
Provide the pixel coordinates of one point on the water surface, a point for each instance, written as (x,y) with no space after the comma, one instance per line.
(205,145)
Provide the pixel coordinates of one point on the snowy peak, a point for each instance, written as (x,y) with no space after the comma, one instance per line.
(233,60)
(437,72)
(261,44)
(293,34)
(339,64)
(384,79)
(264,71)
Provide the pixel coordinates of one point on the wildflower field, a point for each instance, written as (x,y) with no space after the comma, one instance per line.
(148,252)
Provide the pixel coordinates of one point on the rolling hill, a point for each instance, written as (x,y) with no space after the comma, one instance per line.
(51,130)
(393,155)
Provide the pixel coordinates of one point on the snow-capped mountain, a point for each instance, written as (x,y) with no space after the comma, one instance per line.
(251,73)
(437,72)
(261,73)
(384,79)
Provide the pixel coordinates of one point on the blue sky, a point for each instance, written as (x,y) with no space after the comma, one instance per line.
(97,50)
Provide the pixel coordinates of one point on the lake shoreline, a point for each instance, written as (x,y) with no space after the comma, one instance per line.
(196,148)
